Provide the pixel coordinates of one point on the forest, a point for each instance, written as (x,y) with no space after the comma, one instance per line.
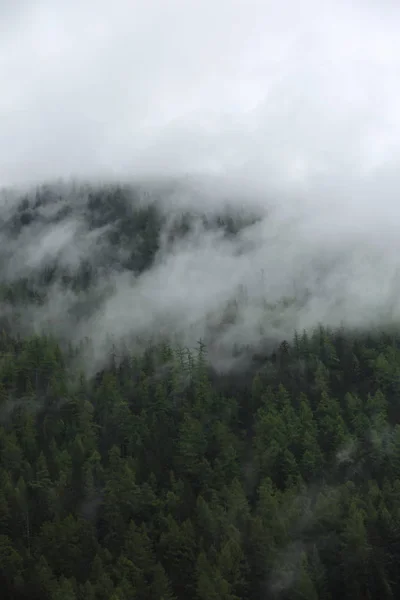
(161,477)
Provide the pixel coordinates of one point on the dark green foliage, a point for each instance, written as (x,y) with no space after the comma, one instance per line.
(134,486)
(160,479)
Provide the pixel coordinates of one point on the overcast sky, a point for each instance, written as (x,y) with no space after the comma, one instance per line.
(298,98)
(287,92)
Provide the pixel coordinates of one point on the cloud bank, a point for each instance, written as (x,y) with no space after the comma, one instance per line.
(282,93)
(289,106)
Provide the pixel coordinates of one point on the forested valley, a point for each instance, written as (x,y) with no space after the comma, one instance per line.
(162,477)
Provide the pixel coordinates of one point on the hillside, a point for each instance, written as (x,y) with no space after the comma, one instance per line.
(162,465)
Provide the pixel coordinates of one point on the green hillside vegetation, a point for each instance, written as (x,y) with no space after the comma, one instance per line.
(162,478)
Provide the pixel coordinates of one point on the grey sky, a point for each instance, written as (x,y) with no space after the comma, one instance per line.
(293,94)
(298,101)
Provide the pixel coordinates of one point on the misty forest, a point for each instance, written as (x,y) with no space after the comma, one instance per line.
(145,454)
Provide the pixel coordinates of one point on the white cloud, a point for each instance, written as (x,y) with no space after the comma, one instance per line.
(297,101)
(280,90)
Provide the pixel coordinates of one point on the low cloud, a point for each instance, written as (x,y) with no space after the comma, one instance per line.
(288,111)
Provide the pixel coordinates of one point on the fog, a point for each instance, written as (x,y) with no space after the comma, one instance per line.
(282,92)
(290,107)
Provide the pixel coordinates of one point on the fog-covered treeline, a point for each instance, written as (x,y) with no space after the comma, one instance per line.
(151,468)
(199,300)
(159,478)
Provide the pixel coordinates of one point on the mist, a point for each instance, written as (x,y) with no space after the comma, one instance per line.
(288,111)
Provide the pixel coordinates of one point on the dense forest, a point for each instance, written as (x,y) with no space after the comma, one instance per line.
(161,477)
